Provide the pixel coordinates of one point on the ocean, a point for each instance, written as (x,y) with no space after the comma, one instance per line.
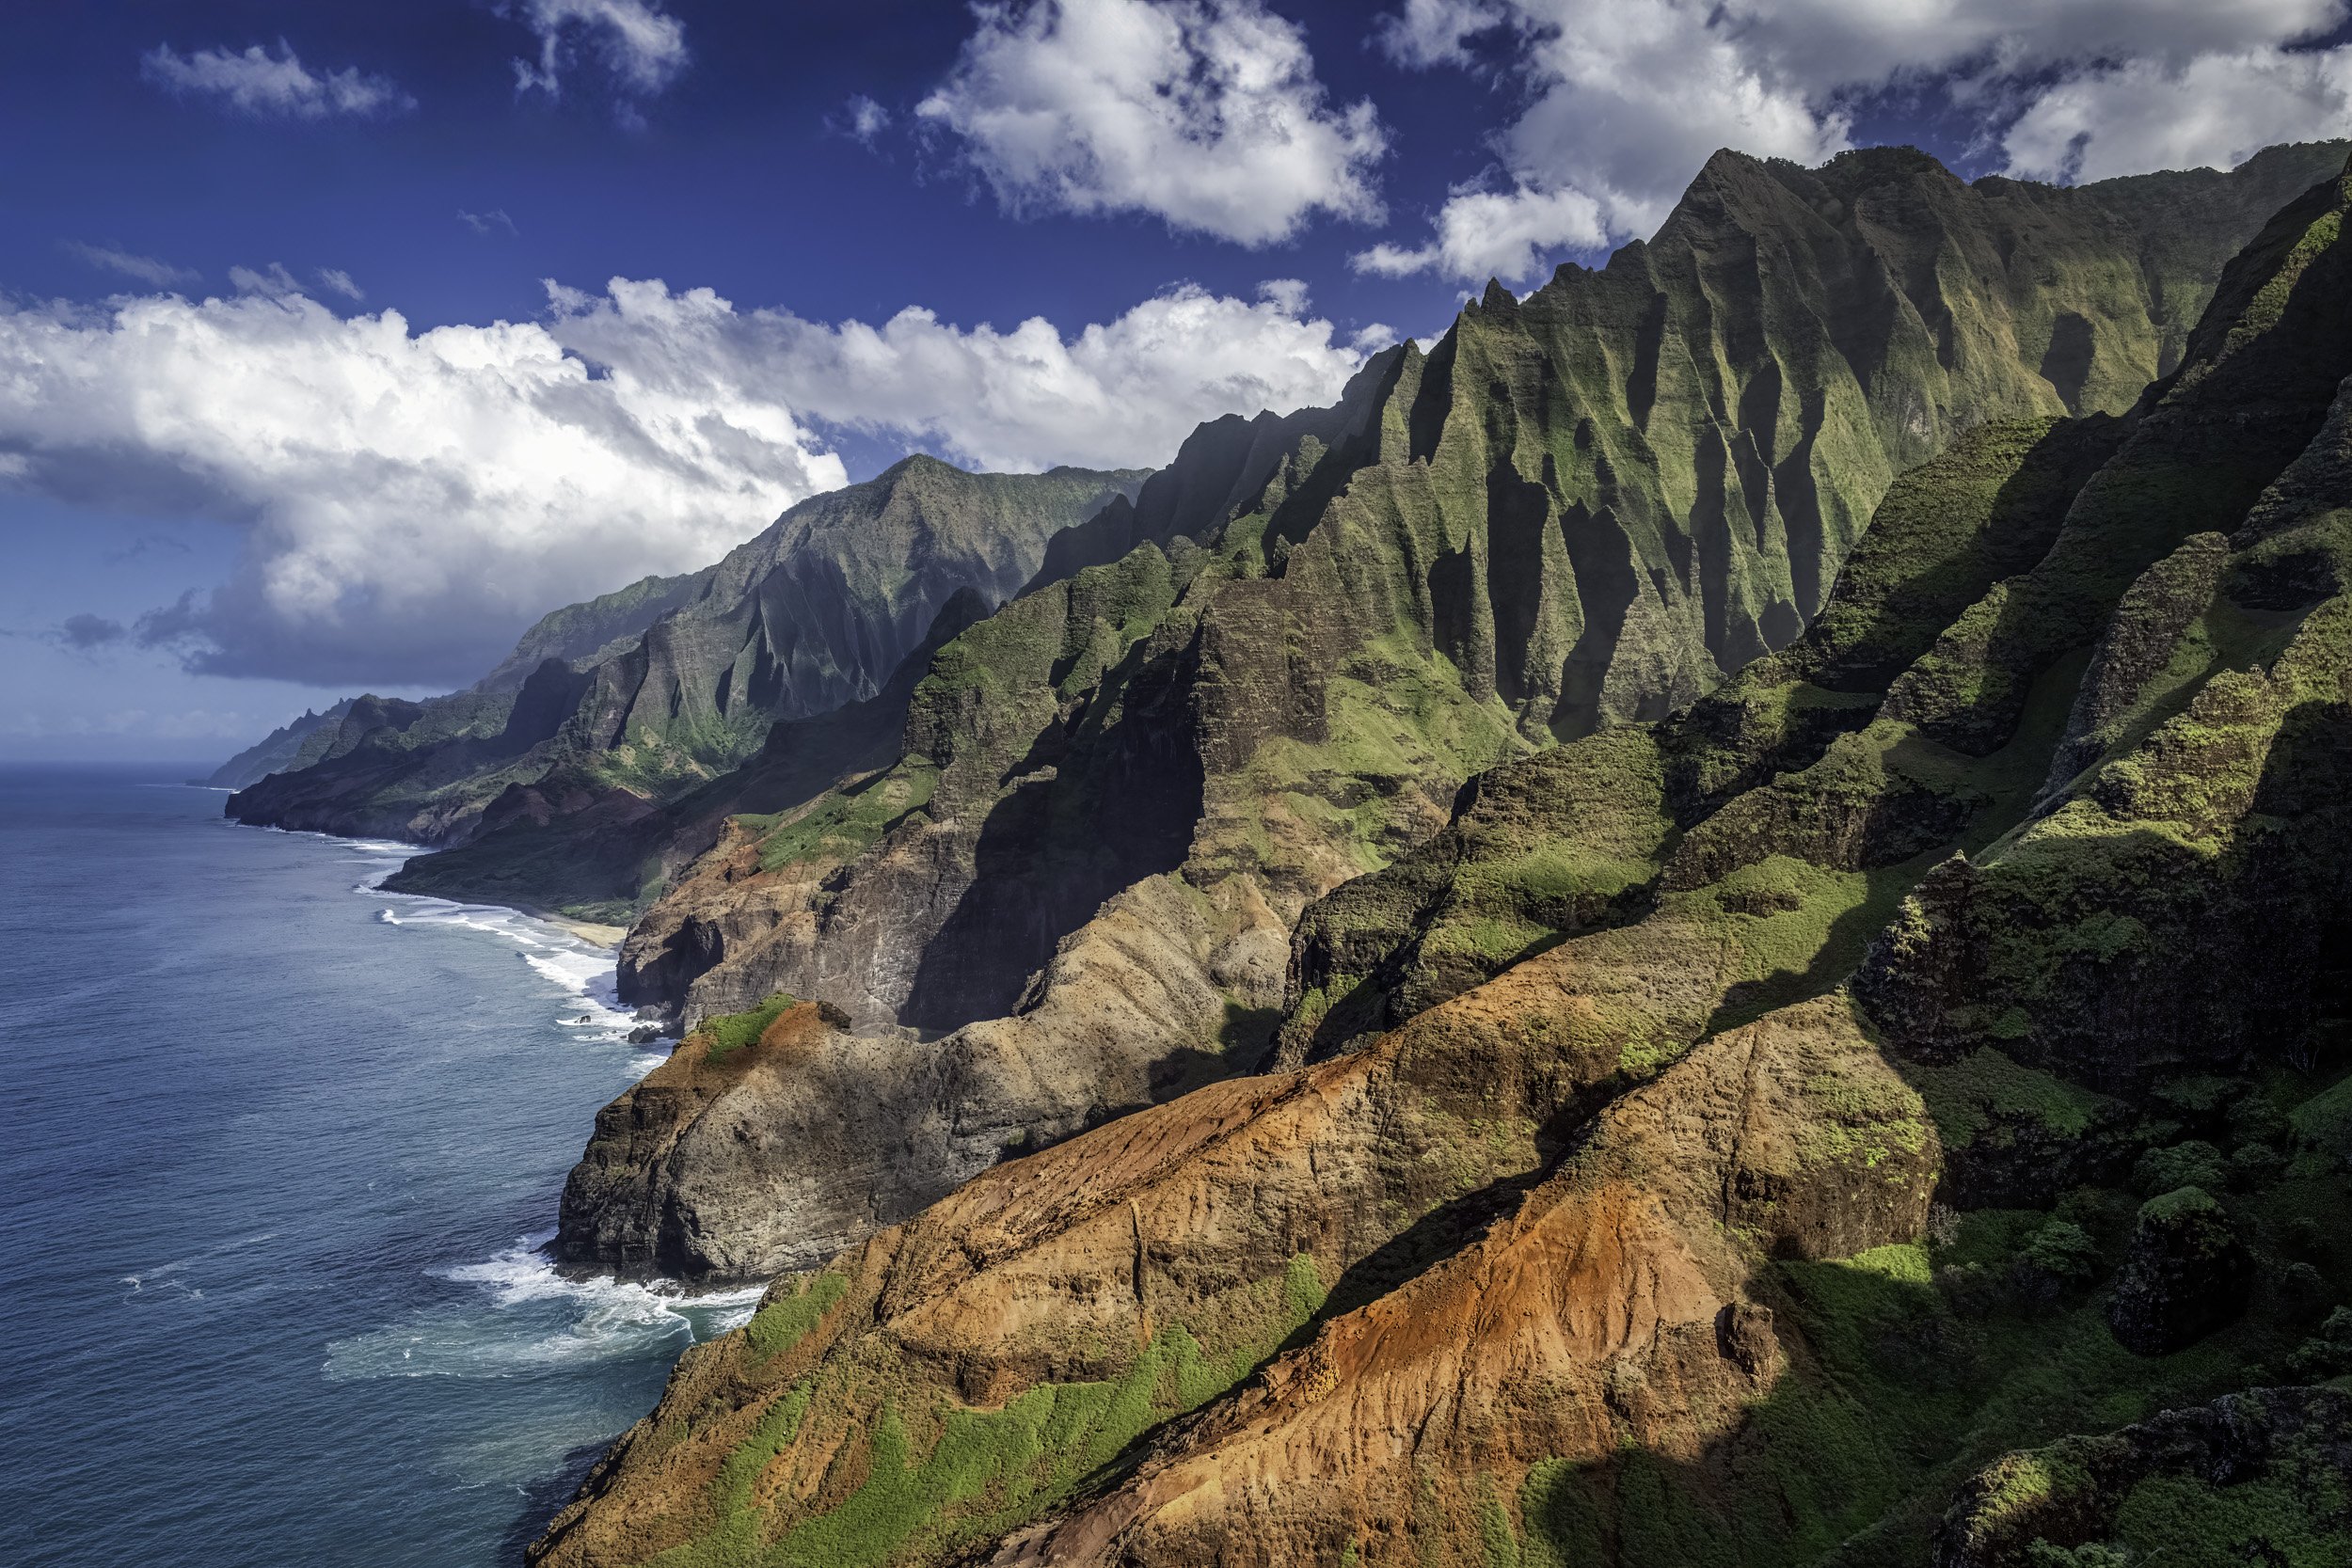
(278,1155)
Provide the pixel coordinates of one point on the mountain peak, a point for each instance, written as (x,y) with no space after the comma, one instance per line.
(920,463)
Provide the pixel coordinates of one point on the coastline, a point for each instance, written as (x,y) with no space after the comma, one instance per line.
(595,935)
(608,937)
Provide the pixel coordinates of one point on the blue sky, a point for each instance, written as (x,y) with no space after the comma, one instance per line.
(263,440)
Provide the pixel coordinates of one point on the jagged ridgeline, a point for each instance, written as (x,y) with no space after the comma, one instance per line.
(1927,1046)
(1579,508)
(634,698)
(1078,882)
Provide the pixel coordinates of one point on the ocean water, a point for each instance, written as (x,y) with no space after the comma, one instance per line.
(276,1153)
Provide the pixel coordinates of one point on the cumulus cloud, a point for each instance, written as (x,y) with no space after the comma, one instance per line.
(1114,394)
(411,500)
(85,632)
(1484,233)
(264,85)
(143,269)
(643,46)
(1625,103)
(1204,113)
(2214,110)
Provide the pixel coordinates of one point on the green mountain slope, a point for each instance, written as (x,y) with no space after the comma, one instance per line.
(662,686)
(1117,795)
(1927,1046)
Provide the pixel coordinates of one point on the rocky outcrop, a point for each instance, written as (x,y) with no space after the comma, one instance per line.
(2186,1274)
(795,1154)
(2253,1477)
(1307,649)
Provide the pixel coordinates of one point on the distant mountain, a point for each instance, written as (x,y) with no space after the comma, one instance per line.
(276,751)
(674,681)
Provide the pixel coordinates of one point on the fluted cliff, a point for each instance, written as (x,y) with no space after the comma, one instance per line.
(1741,1130)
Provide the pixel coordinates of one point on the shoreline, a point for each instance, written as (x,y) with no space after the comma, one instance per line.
(607,937)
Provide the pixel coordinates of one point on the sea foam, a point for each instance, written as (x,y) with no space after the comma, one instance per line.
(523,1315)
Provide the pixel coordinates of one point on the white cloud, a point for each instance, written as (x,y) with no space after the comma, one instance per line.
(1626,101)
(273,282)
(340,281)
(641,44)
(866,118)
(1204,113)
(264,85)
(411,500)
(2216,110)
(1115,394)
(144,269)
(1497,234)
(492,222)
(1434,32)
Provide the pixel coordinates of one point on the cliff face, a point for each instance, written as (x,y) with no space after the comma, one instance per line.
(671,682)
(1753,1125)
(1116,797)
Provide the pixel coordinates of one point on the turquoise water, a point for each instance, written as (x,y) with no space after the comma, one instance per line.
(276,1155)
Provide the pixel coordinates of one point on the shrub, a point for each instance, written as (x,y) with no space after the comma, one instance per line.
(2194,1164)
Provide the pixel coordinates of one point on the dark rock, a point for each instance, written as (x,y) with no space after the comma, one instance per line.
(2188,1274)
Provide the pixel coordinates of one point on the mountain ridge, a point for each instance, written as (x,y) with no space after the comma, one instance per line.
(1761,1220)
(1075,891)
(661,686)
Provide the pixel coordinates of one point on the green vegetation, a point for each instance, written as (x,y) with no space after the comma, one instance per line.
(1987,1091)
(2299,1520)
(728,1033)
(839,825)
(782,1323)
(959,1474)
(2030,790)
(734,1542)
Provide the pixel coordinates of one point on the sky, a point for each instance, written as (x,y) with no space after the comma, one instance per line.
(337,343)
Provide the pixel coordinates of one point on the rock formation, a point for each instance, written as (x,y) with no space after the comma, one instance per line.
(1116,797)
(1710,1146)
